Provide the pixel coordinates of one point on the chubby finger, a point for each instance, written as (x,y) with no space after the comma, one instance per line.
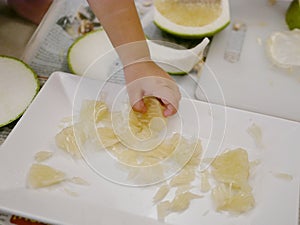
(169,110)
(169,93)
(169,98)
(135,94)
(139,106)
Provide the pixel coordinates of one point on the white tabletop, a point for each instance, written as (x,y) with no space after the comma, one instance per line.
(252,82)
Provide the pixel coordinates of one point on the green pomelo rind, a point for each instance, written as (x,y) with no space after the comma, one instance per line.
(194,32)
(96,45)
(75,43)
(193,36)
(292,16)
(37,88)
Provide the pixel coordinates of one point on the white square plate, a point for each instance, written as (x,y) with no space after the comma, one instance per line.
(105,202)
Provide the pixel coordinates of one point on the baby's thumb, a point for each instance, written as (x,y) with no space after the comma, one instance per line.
(136,101)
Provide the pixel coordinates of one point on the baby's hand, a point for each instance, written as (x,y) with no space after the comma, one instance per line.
(148,79)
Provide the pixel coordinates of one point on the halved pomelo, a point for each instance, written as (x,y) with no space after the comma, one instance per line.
(94,56)
(18,86)
(191,19)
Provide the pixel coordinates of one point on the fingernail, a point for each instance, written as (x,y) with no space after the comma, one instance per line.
(167,112)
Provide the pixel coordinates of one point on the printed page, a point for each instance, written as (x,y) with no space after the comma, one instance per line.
(64,22)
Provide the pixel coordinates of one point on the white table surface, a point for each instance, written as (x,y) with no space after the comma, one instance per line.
(252,83)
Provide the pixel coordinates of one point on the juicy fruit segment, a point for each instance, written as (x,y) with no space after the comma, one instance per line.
(107,137)
(18,86)
(42,156)
(255,132)
(140,131)
(191,19)
(292,16)
(185,177)
(232,168)
(183,188)
(163,210)
(161,193)
(71,138)
(205,185)
(233,192)
(187,14)
(145,158)
(79,181)
(182,201)
(284,48)
(188,154)
(143,125)
(182,182)
(67,139)
(232,200)
(93,111)
(43,176)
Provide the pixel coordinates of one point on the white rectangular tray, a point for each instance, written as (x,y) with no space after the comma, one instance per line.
(104,202)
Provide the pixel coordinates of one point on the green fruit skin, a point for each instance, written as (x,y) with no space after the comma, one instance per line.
(192,36)
(292,16)
(36,90)
(178,73)
(73,44)
(99,30)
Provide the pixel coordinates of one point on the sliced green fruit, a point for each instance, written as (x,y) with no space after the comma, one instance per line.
(18,86)
(93,55)
(88,48)
(292,16)
(191,19)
